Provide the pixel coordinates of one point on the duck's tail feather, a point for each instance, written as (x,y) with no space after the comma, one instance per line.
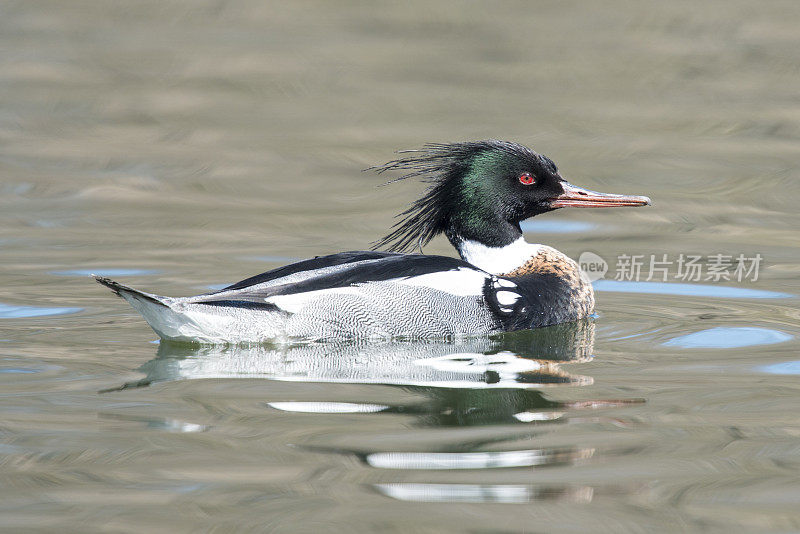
(156,310)
(128,292)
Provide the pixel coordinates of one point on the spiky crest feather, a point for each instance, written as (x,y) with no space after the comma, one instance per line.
(441,165)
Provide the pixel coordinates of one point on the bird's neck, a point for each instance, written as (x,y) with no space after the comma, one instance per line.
(488,241)
(500,259)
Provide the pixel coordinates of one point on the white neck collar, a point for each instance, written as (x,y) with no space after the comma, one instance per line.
(498,260)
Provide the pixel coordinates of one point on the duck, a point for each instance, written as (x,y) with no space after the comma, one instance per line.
(478,194)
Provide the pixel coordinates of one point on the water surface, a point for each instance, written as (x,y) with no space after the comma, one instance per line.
(181,146)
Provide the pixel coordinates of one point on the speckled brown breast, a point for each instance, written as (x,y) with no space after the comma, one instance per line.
(572,299)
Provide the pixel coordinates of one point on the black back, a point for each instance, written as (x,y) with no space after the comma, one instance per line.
(386,266)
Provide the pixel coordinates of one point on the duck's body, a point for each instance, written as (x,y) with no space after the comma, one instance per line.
(501,283)
(373,294)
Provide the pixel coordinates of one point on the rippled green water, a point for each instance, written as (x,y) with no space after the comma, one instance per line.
(177,147)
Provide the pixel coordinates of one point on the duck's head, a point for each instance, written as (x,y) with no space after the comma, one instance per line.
(480,191)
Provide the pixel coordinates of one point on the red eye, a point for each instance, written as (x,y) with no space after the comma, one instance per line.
(526,179)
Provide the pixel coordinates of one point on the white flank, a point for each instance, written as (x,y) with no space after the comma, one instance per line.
(498,260)
(462,282)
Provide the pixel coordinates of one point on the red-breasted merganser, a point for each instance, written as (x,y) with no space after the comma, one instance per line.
(479,193)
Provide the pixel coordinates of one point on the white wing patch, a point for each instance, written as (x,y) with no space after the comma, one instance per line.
(462,282)
(507,298)
(505,294)
(296,302)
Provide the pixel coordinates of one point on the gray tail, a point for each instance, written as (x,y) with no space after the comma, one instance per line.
(127,292)
(158,313)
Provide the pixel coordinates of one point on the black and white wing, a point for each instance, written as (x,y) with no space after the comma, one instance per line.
(348,270)
(362,294)
(347,295)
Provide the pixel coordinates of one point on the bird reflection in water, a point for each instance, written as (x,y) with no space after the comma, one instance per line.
(517,360)
(466,383)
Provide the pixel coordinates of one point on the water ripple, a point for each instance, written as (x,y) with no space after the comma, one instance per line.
(784,368)
(8,311)
(556,227)
(104,272)
(692,290)
(483,493)
(327,407)
(728,338)
(475,460)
